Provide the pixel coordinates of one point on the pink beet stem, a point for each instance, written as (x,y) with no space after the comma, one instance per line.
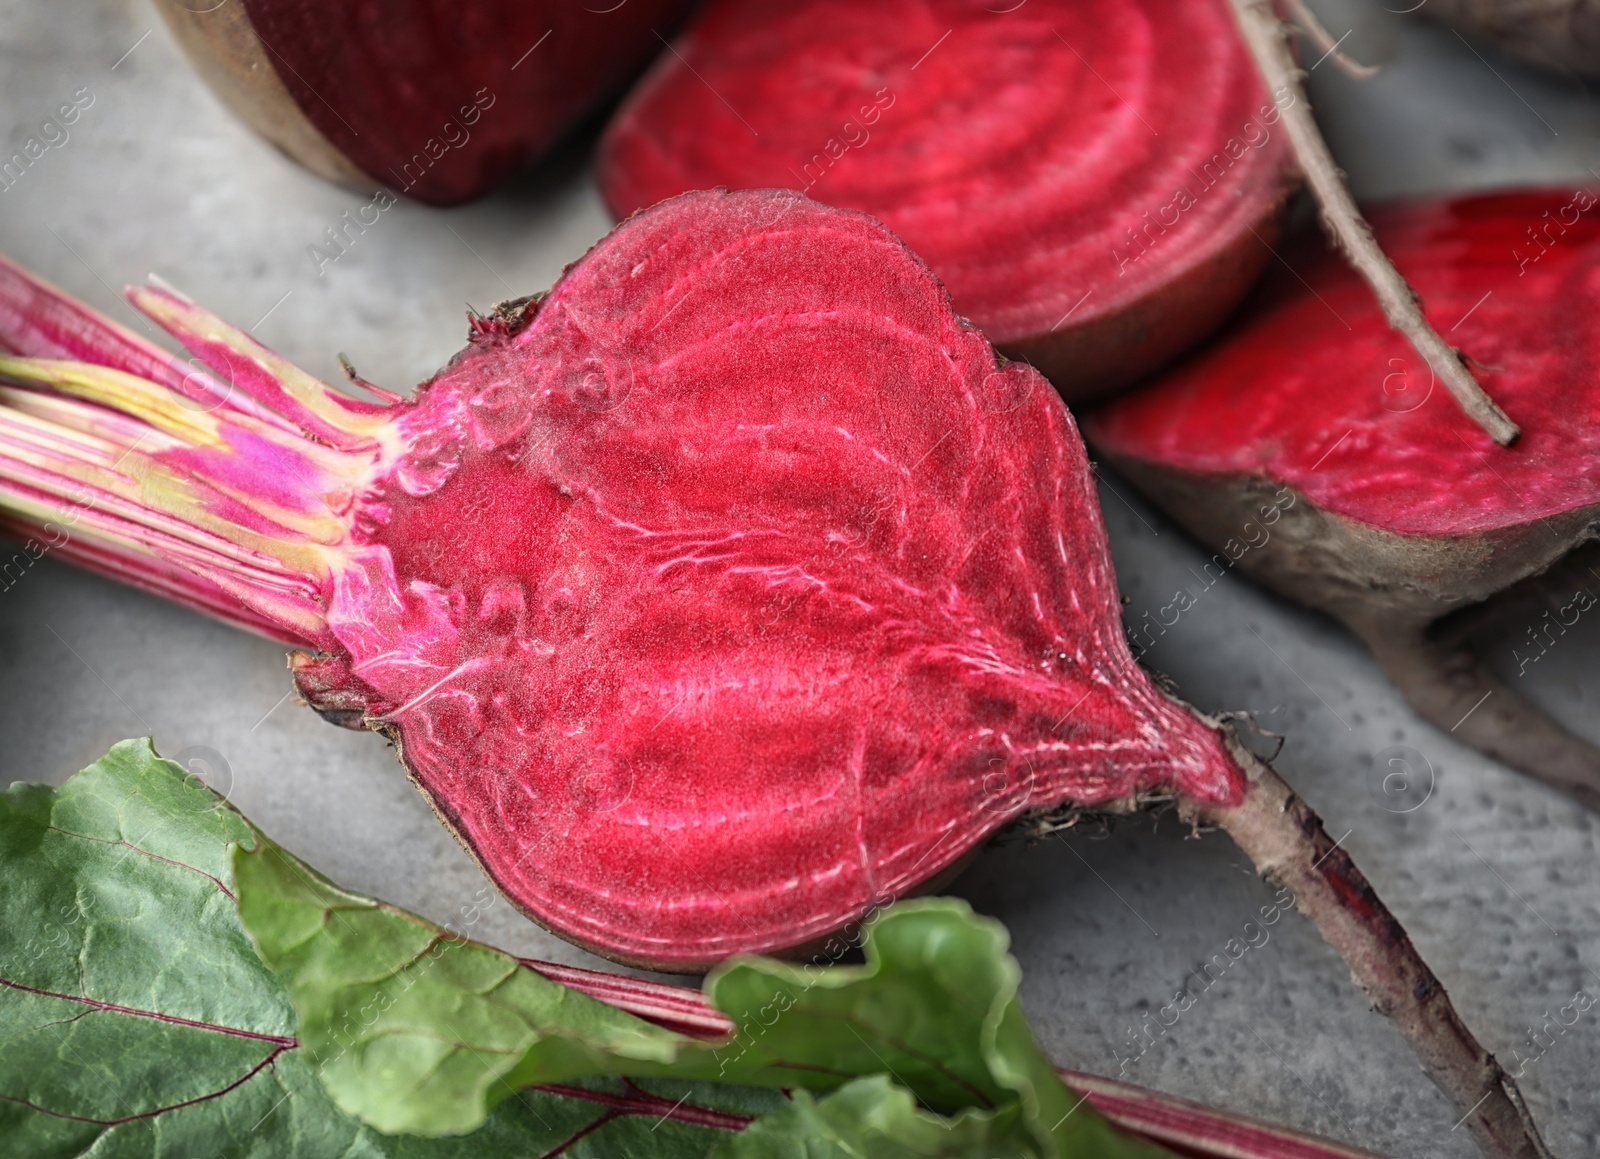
(39,321)
(1189,1127)
(312,406)
(209,484)
(145,572)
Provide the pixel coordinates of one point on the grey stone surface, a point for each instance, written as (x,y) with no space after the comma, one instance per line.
(1497,878)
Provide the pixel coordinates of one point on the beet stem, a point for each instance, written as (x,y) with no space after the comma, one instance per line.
(1268,38)
(1194,1129)
(1286,840)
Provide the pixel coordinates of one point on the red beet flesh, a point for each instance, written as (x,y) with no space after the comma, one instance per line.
(440,101)
(730,590)
(1084,177)
(792,594)
(1515,278)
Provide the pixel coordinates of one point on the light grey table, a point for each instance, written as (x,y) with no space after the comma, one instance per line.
(1497,878)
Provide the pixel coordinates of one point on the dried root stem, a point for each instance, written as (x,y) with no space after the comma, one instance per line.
(1450,686)
(1267,37)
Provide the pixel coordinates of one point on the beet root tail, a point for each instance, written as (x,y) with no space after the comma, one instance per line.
(1285,839)
(1448,685)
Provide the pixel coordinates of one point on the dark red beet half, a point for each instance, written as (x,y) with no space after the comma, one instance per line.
(439,101)
(1403,511)
(1094,182)
(716,598)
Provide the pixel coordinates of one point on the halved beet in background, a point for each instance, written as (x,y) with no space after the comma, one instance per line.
(438,101)
(1403,511)
(1095,182)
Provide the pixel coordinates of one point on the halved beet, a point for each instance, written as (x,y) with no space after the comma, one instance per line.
(732,586)
(1402,510)
(1096,183)
(714,599)
(438,101)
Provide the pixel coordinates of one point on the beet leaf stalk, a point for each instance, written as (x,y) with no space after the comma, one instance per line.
(1268,38)
(1188,1127)
(725,593)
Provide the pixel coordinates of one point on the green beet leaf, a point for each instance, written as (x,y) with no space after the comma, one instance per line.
(174,983)
(137,1020)
(935,1008)
(874,1117)
(417,1029)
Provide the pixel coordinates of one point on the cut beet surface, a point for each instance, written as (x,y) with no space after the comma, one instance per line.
(715,599)
(1403,510)
(1095,182)
(438,101)
(729,589)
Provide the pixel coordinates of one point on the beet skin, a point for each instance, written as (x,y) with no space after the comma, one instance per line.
(438,101)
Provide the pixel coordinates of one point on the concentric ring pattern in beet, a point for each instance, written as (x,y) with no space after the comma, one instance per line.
(1056,163)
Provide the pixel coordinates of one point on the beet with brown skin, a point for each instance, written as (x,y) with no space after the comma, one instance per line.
(715,599)
(1400,511)
(1097,184)
(437,101)
(1561,35)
